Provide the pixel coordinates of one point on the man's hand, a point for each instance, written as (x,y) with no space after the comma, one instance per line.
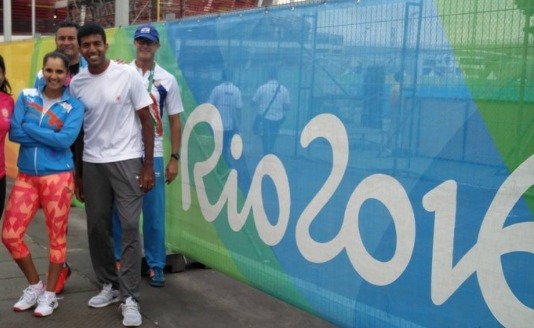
(78,188)
(146,178)
(171,171)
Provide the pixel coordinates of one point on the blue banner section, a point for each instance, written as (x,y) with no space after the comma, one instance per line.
(367,161)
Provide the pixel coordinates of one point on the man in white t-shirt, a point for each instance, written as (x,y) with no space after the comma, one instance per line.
(272,101)
(226,97)
(116,167)
(166,98)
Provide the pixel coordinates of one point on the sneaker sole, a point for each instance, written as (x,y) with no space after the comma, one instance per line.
(157,284)
(98,306)
(132,324)
(18,309)
(40,314)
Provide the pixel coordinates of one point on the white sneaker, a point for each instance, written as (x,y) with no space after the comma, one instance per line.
(46,304)
(107,296)
(28,299)
(130,313)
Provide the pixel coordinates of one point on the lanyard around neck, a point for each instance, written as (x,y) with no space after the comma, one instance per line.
(151,78)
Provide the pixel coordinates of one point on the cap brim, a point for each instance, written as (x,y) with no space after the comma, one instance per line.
(148,37)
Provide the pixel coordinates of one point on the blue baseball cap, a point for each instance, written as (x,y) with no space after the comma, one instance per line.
(147,32)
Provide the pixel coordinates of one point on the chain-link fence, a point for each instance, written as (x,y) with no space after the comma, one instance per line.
(48,13)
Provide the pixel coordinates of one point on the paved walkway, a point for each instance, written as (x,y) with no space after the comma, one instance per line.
(196,297)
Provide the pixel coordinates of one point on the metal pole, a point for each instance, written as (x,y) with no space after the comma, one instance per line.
(7,20)
(33,18)
(158,10)
(122,13)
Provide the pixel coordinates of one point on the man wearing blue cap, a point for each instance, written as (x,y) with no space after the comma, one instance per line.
(165,93)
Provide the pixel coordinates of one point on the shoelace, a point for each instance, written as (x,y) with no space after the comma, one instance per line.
(106,291)
(158,275)
(49,300)
(28,294)
(129,307)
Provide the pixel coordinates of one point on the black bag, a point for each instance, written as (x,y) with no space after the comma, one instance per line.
(257,126)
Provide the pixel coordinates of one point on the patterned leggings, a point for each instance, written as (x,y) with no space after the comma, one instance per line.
(54,194)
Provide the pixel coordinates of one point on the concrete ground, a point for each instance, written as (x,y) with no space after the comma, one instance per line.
(197,297)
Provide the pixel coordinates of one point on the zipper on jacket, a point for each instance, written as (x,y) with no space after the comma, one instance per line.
(37,148)
(35,161)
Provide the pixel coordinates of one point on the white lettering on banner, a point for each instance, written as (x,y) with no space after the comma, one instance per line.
(379,186)
(269,166)
(484,258)
(315,251)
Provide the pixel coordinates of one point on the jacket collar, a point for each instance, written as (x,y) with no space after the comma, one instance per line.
(64,96)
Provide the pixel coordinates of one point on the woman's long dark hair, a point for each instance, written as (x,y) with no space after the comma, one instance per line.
(5,87)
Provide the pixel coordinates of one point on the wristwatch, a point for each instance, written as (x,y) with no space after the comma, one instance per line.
(176,156)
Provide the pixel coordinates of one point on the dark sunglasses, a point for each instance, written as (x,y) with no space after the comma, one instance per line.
(145,41)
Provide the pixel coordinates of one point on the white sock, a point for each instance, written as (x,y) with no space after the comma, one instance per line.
(38,285)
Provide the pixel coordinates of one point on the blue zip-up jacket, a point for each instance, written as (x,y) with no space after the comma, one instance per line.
(45,137)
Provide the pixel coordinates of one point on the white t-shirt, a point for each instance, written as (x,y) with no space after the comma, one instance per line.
(263,97)
(111,126)
(164,86)
(48,102)
(227,98)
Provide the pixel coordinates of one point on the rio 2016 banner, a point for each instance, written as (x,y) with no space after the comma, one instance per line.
(391,182)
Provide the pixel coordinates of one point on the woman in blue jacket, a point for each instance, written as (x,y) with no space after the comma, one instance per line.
(45,123)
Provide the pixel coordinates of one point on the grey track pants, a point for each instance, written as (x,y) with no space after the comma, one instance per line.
(103,185)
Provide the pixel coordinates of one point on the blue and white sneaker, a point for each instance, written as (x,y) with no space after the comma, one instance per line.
(157,277)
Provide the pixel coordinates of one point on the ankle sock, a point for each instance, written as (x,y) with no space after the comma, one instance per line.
(38,285)
(49,294)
